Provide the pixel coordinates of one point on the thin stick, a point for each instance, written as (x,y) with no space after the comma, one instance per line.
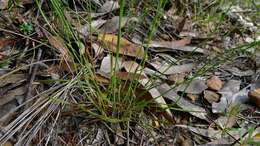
(32,76)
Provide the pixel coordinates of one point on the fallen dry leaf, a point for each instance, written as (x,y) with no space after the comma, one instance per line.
(111,25)
(177,78)
(58,44)
(254,97)
(211,96)
(119,134)
(108,6)
(230,96)
(186,105)
(196,86)
(126,47)
(210,133)
(108,63)
(13,78)
(66,63)
(214,83)
(175,46)
(12,94)
(154,73)
(101,79)
(226,121)
(84,30)
(168,69)
(133,67)
(172,44)
(129,76)
(237,72)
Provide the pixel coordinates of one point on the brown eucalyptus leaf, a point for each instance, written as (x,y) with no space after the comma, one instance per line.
(126,47)
(57,43)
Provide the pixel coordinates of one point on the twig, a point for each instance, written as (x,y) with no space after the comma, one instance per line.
(32,76)
(127,134)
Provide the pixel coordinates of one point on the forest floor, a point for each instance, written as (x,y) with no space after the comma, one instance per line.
(129,72)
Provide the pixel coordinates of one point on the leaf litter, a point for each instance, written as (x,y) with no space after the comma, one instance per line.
(220,103)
